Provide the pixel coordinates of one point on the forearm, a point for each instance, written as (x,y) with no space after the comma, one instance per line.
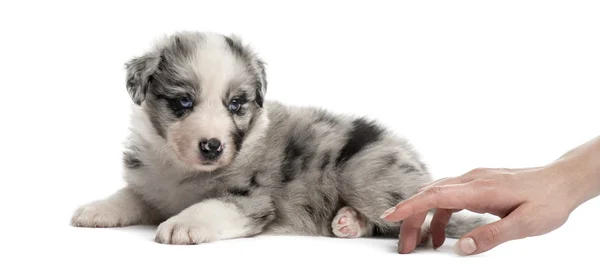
(580,168)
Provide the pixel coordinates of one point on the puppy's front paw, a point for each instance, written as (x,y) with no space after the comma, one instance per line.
(180,230)
(100,215)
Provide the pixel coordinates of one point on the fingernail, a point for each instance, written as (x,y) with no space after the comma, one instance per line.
(465,246)
(388,212)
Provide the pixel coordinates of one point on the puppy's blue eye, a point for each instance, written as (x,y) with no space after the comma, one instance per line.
(185,102)
(234,105)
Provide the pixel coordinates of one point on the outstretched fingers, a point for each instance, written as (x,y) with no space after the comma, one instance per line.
(410,232)
(455,196)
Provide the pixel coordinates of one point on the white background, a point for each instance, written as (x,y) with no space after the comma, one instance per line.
(470,83)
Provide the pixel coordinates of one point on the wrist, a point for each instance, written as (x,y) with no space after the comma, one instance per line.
(579,172)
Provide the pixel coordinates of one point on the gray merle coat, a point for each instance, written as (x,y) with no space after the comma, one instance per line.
(209,158)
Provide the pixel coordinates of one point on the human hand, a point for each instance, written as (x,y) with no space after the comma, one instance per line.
(530,202)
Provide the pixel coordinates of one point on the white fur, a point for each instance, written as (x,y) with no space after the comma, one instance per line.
(121,209)
(215,66)
(207,221)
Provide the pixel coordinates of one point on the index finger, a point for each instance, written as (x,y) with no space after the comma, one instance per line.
(453,196)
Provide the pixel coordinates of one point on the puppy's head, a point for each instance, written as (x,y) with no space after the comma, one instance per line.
(202,92)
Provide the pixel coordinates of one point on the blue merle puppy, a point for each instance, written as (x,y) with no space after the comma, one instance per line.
(209,159)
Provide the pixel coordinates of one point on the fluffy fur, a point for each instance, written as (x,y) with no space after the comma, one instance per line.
(282,170)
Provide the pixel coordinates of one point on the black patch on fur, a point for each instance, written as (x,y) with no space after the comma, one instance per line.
(309,209)
(326,160)
(182,48)
(314,215)
(395,198)
(259,98)
(391,160)
(235,47)
(262,88)
(238,139)
(253,181)
(168,82)
(154,113)
(176,108)
(291,153)
(261,218)
(407,168)
(306,159)
(377,231)
(363,133)
(159,129)
(168,73)
(380,231)
(297,155)
(236,191)
(327,200)
(131,160)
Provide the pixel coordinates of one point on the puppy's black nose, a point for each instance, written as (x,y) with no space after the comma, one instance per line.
(211,148)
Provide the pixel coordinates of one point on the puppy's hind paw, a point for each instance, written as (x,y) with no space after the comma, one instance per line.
(348,224)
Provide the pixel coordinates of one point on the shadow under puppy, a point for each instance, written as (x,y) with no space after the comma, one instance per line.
(209,159)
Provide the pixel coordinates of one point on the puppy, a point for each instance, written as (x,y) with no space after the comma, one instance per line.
(209,159)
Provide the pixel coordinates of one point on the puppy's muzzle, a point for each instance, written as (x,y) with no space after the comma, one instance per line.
(211,149)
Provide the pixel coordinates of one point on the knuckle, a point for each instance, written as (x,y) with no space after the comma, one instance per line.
(495,179)
(490,235)
(434,190)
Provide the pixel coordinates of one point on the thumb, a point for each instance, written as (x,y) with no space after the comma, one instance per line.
(489,236)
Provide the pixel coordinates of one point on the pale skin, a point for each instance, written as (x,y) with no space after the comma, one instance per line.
(529,202)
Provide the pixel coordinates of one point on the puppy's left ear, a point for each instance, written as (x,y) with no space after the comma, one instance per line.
(245,52)
(139,73)
(261,91)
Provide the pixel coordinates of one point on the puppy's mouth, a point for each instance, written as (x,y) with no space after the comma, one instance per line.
(200,156)
(204,164)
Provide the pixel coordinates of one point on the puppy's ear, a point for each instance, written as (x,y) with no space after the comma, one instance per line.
(261,91)
(238,48)
(139,73)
